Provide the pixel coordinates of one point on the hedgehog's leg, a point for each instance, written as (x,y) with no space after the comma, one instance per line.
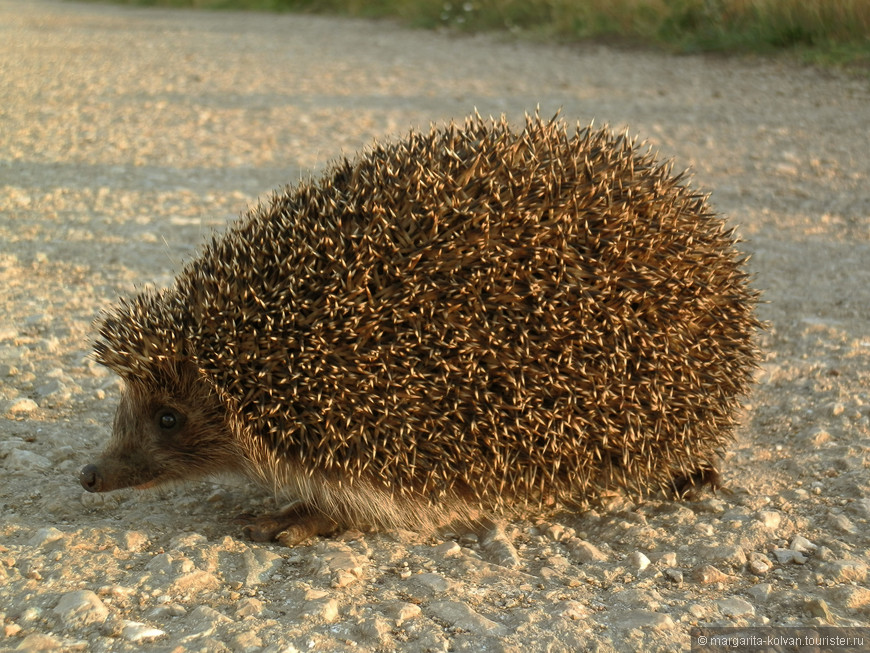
(289,526)
(687,486)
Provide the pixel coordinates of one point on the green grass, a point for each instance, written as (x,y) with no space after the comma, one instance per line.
(824,31)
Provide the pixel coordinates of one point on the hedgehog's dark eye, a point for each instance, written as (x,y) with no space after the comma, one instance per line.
(168,420)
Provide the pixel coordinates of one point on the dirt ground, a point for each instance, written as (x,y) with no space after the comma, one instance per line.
(127,135)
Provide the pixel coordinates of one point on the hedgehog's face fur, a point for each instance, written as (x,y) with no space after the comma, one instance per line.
(164,433)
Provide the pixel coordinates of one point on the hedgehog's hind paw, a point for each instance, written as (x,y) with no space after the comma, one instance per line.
(303,529)
(289,526)
(690,486)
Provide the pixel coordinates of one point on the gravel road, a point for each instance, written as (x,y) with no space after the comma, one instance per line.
(127,135)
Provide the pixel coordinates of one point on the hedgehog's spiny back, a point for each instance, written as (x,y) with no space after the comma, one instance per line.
(493,312)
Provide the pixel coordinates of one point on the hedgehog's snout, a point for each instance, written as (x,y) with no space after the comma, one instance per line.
(90,478)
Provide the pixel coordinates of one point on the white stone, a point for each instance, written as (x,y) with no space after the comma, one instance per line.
(81,608)
(137,632)
(45,536)
(734,606)
(585,551)
(448,549)
(802,545)
(770,519)
(785,556)
(21,459)
(638,561)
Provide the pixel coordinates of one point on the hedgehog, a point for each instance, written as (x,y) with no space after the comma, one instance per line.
(472,321)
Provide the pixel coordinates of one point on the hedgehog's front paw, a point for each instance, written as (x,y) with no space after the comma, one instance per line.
(301,531)
(261,529)
(288,527)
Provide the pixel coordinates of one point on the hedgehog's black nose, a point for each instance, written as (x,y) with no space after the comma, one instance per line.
(90,478)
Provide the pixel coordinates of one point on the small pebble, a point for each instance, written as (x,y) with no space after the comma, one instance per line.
(260,566)
(735,607)
(343,579)
(22,406)
(449,549)
(786,556)
(760,592)
(817,436)
(770,519)
(249,607)
(708,574)
(642,620)
(759,567)
(137,632)
(462,616)
(585,551)
(81,608)
(401,611)
(45,536)
(802,545)
(322,608)
(573,610)
(725,555)
(23,460)
(846,571)
(842,523)
(555,532)
(674,575)
(638,561)
(39,642)
(428,584)
(819,608)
